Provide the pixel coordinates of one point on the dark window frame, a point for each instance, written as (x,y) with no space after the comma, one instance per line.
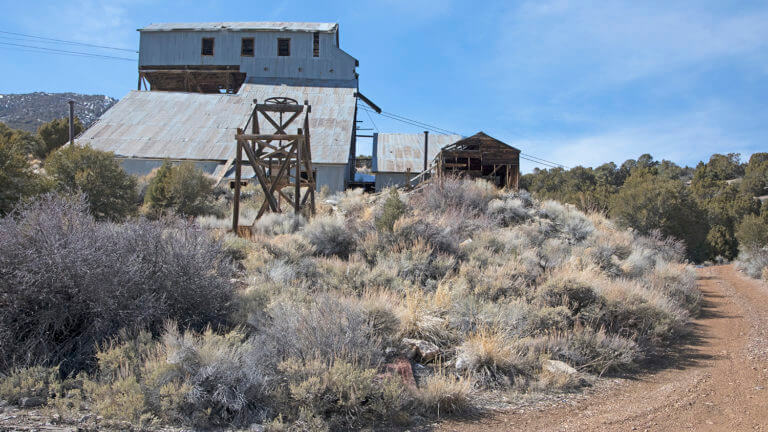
(316,44)
(242,47)
(283,51)
(203,51)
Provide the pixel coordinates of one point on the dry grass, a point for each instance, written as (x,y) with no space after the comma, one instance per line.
(443,394)
(499,282)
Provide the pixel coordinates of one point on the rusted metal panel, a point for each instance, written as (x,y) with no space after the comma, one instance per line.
(397,153)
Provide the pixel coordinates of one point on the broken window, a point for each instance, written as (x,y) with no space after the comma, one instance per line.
(316,44)
(246,47)
(283,47)
(207,48)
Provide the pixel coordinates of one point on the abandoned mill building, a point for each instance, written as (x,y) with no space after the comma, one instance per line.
(199,82)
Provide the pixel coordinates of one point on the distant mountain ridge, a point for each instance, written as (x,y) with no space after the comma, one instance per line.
(29,110)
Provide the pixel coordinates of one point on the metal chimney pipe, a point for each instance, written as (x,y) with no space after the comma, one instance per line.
(426,149)
(71,122)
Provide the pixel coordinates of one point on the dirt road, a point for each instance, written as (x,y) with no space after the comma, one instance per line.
(719,382)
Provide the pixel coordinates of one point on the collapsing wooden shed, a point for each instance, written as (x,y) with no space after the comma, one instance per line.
(481,156)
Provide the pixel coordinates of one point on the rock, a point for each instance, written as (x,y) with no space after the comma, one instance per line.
(85,418)
(465,242)
(31,402)
(462,363)
(420,372)
(557,366)
(424,351)
(401,367)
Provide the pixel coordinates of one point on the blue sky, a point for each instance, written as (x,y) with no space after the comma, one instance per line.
(576,82)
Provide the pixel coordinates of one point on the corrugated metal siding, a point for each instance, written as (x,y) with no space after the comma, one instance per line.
(203,126)
(239,26)
(396,153)
(182,48)
(385,180)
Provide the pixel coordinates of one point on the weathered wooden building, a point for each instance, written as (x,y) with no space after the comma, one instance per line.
(198,83)
(481,156)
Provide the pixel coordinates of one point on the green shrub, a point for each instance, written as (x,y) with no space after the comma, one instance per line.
(646,202)
(111,192)
(344,395)
(183,189)
(752,232)
(595,352)
(55,134)
(571,293)
(330,236)
(391,211)
(34,382)
(204,380)
(17,180)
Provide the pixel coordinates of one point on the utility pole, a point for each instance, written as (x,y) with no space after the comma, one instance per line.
(71,122)
(426,149)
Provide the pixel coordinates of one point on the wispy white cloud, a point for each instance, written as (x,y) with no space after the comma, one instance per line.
(90,21)
(597,81)
(602,43)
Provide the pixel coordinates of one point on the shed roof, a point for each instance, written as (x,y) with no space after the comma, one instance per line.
(399,152)
(155,124)
(243,26)
(480,138)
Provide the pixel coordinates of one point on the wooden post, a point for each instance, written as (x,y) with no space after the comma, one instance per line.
(236,201)
(408,178)
(297,192)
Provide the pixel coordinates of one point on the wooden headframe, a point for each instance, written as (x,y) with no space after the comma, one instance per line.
(279,160)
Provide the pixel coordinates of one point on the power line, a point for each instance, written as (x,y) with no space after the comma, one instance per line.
(65,52)
(411,122)
(537,162)
(371,119)
(69,42)
(544,160)
(433,128)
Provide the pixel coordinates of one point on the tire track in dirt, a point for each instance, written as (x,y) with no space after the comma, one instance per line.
(718,381)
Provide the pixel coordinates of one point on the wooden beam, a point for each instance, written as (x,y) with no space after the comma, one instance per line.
(236,200)
(270,137)
(259,174)
(279,108)
(297,190)
(224,171)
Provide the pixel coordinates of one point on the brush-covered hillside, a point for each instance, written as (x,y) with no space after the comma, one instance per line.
(28,111)
(381,310)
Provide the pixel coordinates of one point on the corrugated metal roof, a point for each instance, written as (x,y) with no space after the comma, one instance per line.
(395,152)
(153,124)
(244,26)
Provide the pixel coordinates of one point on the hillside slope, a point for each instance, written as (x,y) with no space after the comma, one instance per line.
(29,110)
